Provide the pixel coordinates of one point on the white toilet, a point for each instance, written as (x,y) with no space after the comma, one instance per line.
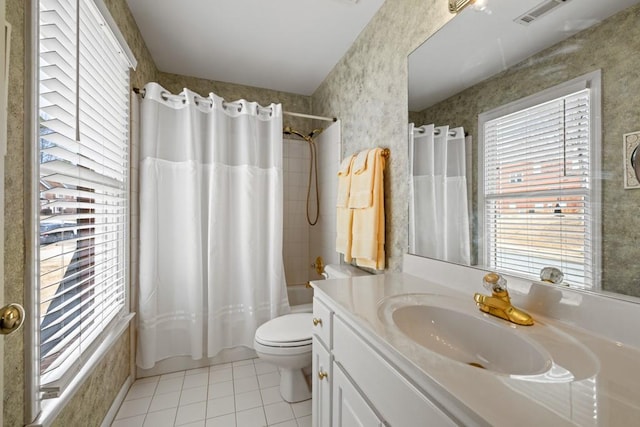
(286,341)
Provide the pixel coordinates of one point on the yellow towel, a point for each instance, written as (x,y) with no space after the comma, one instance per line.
(367,245)
(361,193)
(344,222)
(344,182)
(344,215)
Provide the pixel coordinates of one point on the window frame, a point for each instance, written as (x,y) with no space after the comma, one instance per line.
(593,82)
(36,413)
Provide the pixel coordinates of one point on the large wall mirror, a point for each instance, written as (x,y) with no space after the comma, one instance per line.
(524,120)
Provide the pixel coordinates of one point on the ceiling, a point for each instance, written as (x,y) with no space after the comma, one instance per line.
(477,44)
(284,45)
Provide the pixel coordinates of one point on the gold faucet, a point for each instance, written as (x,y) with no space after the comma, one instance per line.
(499,303)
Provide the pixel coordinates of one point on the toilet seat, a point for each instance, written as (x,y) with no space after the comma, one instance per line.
(290,330)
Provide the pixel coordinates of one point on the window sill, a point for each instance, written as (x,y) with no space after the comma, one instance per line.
(51,408)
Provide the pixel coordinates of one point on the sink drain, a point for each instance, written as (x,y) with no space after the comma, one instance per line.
(476,365)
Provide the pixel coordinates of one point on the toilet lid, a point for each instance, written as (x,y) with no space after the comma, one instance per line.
(288,330)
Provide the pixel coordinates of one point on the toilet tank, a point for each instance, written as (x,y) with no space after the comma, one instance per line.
(342,271)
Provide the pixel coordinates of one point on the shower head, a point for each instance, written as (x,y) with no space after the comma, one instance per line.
(315,132)
(289,131)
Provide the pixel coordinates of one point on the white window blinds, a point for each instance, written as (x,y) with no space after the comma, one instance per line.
(84,135)
(538,200)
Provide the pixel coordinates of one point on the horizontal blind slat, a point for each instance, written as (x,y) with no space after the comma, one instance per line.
(83,94)
(537,187)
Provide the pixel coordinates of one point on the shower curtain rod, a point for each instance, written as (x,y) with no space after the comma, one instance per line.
(288,113)
(309,116)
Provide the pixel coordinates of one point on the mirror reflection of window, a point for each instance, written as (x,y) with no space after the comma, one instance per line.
(536,197)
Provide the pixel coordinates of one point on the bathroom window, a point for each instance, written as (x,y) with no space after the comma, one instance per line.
(549,216)
(83,142)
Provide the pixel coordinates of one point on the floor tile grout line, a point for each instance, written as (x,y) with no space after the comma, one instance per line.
(233,378)
(175,417)
(233,384)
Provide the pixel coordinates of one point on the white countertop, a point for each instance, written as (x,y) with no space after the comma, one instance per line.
(605,392)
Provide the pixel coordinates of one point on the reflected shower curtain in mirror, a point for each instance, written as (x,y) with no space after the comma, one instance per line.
(439,213)
(211,220)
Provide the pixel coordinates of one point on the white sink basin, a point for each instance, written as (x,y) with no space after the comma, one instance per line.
(460,332)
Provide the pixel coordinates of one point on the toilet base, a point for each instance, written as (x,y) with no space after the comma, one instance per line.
(293,385)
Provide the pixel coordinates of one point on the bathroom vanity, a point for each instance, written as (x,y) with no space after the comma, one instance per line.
(379,359)
(345,364)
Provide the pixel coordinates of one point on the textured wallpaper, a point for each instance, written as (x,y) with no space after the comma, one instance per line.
(14,211)
(86,404)
(367,90)
(95,396)
(613,47)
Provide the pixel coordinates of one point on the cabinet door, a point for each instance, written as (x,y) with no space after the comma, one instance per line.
(350,409)
(321,380)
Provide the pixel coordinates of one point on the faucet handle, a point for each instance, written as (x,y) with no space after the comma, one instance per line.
(551,275)
(494,282)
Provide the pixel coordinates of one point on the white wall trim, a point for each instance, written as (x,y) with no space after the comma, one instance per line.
(51,408)
(115,406)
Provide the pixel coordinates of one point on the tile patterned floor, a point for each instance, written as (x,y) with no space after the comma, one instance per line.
(238,394)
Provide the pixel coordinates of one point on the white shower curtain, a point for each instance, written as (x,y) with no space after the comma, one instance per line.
(211,219)
(438,215)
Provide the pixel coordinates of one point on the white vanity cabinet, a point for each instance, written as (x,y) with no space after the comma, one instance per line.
(322,378)
(350,409)
(321,374)
(360,387)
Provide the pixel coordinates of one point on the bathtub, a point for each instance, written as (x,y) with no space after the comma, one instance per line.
(300,298)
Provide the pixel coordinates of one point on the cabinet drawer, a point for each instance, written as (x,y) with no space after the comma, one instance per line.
(379,381)
(322,322)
